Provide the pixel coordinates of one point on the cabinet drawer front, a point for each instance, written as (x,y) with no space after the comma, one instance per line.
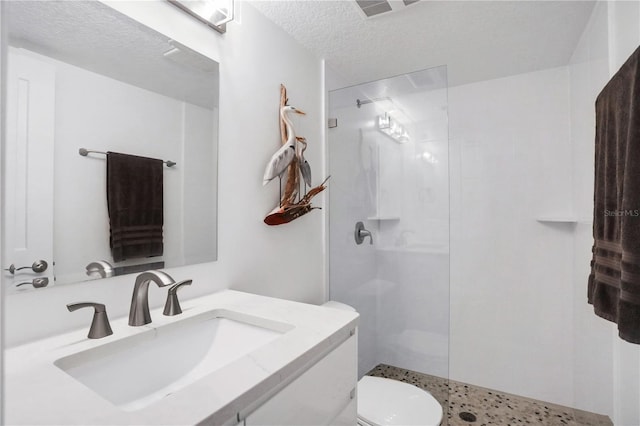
(318,396)
(347,416)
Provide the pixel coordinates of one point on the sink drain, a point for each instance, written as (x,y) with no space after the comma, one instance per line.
(467,417)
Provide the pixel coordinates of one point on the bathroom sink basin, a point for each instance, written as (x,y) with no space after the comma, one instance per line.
(139,370)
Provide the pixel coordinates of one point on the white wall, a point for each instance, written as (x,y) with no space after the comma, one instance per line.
(3,46)
(286,261)
(511,307)
(593,351)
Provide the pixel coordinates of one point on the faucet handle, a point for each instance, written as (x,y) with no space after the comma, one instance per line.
(172,305)
(100,326)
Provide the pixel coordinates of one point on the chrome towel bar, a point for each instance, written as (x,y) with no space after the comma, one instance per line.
(84,152)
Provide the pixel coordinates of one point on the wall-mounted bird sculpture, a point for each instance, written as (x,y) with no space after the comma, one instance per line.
(289,160)
(305,168)
(284,156)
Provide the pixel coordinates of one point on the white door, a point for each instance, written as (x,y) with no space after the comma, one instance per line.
(28,192)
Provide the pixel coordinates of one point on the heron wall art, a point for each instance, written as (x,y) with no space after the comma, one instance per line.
(288,163)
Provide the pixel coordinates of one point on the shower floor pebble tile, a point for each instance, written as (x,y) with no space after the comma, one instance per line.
(489,406)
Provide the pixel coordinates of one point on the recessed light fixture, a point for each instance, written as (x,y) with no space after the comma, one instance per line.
(428,157)
(214,13)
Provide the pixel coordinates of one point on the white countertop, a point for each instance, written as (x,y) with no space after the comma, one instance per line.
(38,392)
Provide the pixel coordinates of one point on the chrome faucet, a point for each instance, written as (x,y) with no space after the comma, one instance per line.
(139,312)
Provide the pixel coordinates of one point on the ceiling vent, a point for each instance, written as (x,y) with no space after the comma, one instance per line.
(372,8)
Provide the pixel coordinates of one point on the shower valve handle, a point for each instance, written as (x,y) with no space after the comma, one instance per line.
(361,233)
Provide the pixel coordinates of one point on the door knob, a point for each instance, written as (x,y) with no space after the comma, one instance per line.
(36,282)
(37,267)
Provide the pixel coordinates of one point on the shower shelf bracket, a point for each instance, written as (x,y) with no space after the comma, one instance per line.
(383,218)
(568,219)
(557,219)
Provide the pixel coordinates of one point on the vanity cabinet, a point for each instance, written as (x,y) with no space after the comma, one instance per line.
(240,359)
(325,394)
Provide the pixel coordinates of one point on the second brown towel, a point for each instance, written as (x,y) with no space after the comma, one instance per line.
(614,282)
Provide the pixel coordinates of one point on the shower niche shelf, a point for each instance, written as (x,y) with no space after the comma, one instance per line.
(557,219)
(568,219)
(383,218)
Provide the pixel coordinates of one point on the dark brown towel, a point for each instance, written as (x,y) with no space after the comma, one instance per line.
(614,282)
(135,205)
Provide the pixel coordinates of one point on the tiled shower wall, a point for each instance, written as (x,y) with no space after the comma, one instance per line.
(521,149)
(511,305)
(400,284)
(593,337)
(511,302)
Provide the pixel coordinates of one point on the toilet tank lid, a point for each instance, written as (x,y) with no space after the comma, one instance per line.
(390,402)
(337,305)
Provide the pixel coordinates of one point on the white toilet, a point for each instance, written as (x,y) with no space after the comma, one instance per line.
(387,402)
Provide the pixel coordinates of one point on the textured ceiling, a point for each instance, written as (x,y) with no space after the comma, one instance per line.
(93,36)
(477,40)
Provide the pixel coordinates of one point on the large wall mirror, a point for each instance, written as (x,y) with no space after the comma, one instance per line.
(80,75)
